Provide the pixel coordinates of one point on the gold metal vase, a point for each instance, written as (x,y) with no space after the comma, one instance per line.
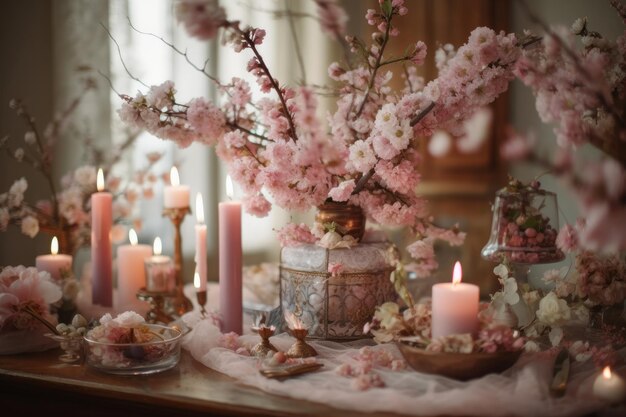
(348,219)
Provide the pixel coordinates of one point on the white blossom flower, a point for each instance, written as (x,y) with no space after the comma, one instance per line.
(30,226)
(510,291)
(362,156)
(19,154)
(578,25)
(555,336)
(580,351)
(16,192)
(553,310)
(30,138)
(531,346)
(85,176)
(501,270)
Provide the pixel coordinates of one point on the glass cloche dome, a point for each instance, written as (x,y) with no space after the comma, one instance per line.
(524,226)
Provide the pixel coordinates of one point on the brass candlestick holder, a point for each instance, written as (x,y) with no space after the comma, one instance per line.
(178,304)
(156,300)
(300,349)
(201,296)
(264,346)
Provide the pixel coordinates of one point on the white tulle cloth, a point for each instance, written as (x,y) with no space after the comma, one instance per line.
(520,391)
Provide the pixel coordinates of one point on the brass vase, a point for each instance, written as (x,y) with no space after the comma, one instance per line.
(348,219)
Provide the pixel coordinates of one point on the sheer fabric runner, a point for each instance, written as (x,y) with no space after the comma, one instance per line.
(520,391)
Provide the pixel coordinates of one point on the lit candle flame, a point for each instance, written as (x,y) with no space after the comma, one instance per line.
(229,188)
(132,237)
(54,246)
(100,180)
(196,280)
(199,209)
(174,179)
(457,274)
(292,321)
(606,372)
(157,247)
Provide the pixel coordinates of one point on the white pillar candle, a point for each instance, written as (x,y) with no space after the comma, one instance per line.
(175,195)
(455,306)
(609,387)
(101,261)
(131,273)
(201,263)
(231,306)
(58,265)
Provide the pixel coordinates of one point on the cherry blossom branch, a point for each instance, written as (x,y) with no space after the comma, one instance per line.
(615,150)
(202,70)
(46,168)
(119,53)
(360,184)
(377,65)
(250,42)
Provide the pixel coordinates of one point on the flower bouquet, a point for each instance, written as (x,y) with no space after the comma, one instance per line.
(25,298)
(365,156)
(127,345)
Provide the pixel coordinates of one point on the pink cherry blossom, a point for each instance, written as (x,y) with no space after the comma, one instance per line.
(202,18)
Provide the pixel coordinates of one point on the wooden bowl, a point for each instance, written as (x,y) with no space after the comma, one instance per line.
(461,366)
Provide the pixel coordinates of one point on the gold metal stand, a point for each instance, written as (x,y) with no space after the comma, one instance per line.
(201,296)
(264,346)
(178,304)
(300,349)
(156,300)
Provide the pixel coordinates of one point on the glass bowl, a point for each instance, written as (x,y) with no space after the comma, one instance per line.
(71,346)
(136,358)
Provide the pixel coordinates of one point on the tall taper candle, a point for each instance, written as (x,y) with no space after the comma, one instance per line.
(231,306)
(101,262)
(201,266)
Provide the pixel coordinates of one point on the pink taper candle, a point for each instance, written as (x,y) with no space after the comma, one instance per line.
(455,306)
(231,306)
(101,261)
(201,266)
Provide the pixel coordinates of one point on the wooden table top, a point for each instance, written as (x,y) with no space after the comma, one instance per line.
(40,381)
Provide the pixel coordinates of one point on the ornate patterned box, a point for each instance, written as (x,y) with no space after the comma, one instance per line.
(336,307)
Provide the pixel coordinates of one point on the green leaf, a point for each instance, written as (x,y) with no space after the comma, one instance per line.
(386,8)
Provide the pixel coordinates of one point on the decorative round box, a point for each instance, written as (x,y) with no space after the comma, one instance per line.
(335,306)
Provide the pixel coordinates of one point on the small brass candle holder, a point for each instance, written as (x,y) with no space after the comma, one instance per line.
(156,300)
(178,304)
(264,346)
(300,349)
(201,297)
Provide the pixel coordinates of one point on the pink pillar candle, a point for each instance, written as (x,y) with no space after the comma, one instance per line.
(231,306)
(56,264)
(131,273)
(160,271)
(455,307)
(175,195)
(201,262)
(101,261)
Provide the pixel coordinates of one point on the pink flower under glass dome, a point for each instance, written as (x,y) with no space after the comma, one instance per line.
(525,225)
